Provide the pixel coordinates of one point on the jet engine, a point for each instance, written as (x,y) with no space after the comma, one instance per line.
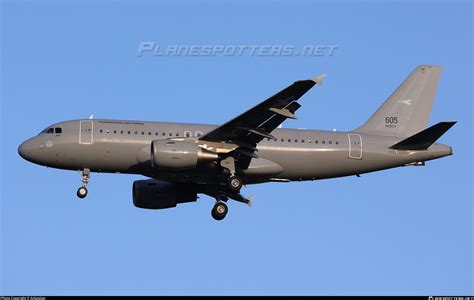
(157,194)
(179,155)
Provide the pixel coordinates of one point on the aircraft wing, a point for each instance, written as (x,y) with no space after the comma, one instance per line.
(257,123)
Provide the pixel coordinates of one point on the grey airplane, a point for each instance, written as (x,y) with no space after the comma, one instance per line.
(184,160)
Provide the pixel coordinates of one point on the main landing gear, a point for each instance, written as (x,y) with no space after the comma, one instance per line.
(234,183)
(222,194)
(219,211)
(82,191)
(228,188)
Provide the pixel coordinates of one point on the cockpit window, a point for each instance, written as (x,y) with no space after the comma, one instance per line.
(51,130)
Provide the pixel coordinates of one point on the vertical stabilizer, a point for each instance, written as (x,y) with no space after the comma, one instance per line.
(408,109)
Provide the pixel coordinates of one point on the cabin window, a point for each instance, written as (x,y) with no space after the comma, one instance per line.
(302,141)
(143,132)
(316,141)
(330,142)
(128,132)
(101,131)
(136,132)
(115,131)
(170,134)
(107,131)
(163,134)
(337,143)
(289,140)
(121,132)
(149,133)
(324,142)
(296,141)
(156,133)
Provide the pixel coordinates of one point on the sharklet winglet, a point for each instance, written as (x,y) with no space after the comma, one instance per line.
(319,79)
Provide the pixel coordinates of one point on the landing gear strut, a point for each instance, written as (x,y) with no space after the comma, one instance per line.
(82,191)
(219,211)
(233,182)
(231,191)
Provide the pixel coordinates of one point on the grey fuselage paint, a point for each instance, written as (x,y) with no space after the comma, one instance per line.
(117,146)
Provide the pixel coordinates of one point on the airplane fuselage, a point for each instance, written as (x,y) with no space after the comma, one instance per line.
(117,146)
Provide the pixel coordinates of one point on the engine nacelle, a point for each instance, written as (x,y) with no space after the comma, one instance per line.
(157,194)
(178,155)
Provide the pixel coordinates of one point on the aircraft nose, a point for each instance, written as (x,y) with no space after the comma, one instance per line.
(25,150)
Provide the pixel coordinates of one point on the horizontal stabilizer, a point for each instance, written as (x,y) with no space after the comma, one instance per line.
(423,139)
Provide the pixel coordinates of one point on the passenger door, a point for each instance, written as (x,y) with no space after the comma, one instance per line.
(355,146)
(86,135)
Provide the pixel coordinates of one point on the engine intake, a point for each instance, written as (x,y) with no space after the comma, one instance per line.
(179,155)
(157,194)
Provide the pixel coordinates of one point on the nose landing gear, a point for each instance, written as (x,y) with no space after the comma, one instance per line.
(82,191)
